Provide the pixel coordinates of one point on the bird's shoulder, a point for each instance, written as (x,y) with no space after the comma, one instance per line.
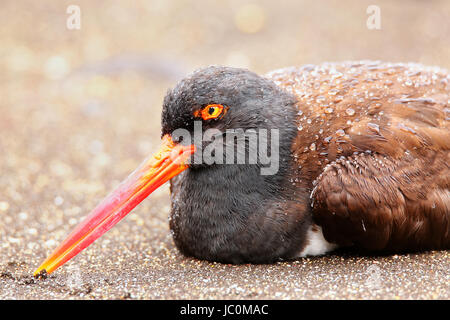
(352,107)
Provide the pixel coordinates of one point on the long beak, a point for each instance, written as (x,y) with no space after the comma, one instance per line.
(169,161)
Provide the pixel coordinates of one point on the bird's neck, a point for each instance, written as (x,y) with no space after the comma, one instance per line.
(233,213)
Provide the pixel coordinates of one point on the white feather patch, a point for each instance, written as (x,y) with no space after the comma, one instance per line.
(317,245)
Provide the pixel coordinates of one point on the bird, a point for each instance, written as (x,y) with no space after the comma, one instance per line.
(362,162)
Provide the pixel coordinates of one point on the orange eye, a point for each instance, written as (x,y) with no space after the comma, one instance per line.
(211,111)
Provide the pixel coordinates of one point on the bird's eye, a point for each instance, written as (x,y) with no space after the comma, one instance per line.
(211,111)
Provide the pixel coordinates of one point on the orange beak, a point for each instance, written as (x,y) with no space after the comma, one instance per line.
(169,161)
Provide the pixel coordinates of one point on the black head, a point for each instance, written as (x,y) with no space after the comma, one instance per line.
(226,212)
(251,101)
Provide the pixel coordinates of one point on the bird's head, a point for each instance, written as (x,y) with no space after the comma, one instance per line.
(218,107)
(223,98)
(218,99)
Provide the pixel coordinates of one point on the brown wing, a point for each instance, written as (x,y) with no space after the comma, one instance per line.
(378,203)
(397,115)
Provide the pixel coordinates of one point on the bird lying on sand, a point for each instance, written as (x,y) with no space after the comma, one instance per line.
(360,156)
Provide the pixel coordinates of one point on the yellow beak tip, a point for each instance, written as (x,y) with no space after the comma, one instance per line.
(40,273)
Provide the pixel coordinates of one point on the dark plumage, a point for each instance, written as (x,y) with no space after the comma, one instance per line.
(359,156)
(232,213)
(364,153)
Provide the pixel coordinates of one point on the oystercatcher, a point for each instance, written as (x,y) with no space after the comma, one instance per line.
(362,160)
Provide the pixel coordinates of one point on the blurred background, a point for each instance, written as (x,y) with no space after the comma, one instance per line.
(80,108)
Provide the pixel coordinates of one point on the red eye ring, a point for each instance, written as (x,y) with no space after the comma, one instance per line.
(211,111)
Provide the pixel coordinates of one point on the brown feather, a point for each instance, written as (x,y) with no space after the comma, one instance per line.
(373,147)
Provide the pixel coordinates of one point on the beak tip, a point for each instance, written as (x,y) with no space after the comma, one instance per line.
(40,273)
